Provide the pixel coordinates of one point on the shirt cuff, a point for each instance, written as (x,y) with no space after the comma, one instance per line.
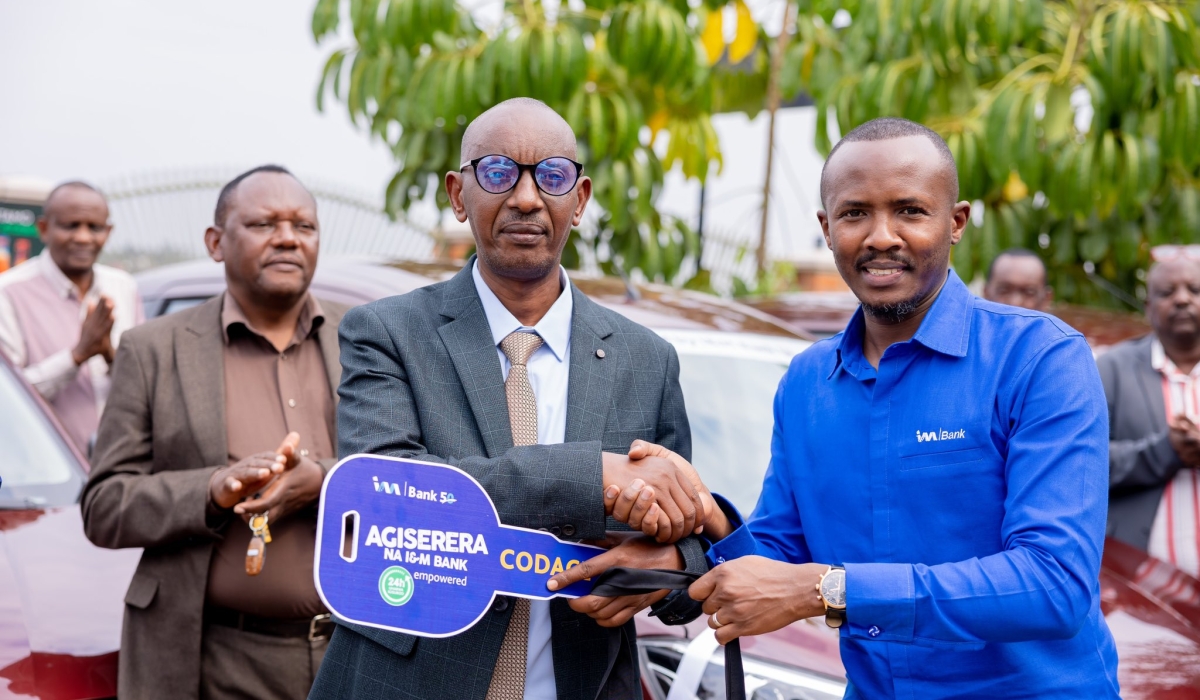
(880,602)
(738,543)
(52,373)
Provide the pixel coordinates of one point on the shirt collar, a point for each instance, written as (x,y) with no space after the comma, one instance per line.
(62,284)
(554,328)
(311,318)
(946,328)
(1164,365)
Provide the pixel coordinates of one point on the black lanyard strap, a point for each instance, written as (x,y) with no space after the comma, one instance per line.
(619,581)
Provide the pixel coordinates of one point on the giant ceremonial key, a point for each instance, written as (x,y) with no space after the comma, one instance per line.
(417,547)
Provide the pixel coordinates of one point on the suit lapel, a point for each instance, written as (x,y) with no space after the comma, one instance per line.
(589,388)
(327,336)
(200,361)
(1151,383)
(468,340)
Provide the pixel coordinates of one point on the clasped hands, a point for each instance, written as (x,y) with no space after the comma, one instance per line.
(278,483)
(1184,436)
(748,596)
(659,495)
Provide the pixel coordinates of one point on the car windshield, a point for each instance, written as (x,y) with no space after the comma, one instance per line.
(36,468)
(729,382)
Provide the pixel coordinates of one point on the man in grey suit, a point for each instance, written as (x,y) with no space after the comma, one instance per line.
(1152,395)
(511,374)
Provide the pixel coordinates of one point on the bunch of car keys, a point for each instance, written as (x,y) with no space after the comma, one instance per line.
(256,552)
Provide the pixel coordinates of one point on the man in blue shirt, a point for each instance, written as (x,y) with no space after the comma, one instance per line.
(950,453)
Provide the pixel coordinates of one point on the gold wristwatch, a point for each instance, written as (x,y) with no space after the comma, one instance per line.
(832,589)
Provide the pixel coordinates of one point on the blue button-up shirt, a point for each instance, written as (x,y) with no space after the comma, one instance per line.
(964,487)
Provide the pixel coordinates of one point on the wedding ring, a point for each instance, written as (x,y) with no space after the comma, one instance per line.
(717,624)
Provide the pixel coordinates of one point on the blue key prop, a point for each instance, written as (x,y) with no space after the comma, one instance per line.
(417,547)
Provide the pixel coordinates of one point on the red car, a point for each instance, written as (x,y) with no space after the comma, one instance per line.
(731,357)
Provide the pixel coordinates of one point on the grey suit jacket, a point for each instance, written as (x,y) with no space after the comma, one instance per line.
(161,437)
(1141,459)
(421,378)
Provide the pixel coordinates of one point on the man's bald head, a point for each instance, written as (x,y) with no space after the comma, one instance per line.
(72,190)
(886,129)
(524,114)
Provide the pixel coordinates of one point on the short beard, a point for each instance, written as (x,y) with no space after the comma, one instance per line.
(892,313)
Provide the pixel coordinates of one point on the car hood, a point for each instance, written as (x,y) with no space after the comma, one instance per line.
(61,604)
(1152,609)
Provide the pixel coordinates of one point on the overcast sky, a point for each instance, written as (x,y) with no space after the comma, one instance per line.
(100,89)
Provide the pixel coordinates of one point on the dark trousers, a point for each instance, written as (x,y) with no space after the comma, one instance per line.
(237,665)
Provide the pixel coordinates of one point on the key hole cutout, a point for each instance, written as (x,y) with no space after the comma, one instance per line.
(349,548)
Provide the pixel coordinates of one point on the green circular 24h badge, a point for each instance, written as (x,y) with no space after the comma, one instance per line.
(396,585)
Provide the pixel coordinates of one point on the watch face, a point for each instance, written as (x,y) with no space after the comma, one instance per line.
(833,588)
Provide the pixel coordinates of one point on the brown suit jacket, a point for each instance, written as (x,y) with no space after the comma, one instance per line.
(161,437)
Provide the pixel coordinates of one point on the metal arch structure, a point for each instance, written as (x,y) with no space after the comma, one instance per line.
(160,217)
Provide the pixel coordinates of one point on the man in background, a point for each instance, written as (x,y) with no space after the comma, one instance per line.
(210,406)
(62,314)
(1153,392)
(1017,277)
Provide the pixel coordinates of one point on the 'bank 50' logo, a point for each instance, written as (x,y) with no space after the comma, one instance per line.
(412,491)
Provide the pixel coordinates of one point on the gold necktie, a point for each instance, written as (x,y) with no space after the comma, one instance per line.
(508,678)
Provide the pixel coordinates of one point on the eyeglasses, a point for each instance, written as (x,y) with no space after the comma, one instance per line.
(499,174)
(1160,253)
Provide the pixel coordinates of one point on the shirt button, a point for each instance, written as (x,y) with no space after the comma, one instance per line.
(291,403)
(600,353)
(720,560)
(874,631)
(568,530)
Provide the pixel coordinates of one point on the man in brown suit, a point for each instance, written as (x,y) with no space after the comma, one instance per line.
(192,444)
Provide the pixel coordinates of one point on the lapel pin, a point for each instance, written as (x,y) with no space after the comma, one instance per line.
(600,353)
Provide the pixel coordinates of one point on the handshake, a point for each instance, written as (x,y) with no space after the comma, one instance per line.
(659,495)
(657,492)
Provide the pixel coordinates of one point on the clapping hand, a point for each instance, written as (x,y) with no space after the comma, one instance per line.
(297,485)
(1185,440)
(95,335)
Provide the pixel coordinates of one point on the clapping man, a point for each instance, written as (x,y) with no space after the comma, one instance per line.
(210,406)
(1153,390)
(62,314)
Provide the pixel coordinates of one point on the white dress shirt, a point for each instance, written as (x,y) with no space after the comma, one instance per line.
(549,373)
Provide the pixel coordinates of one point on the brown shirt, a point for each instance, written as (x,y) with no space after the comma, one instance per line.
(267,395)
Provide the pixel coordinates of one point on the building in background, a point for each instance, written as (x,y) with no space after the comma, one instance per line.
(21,200)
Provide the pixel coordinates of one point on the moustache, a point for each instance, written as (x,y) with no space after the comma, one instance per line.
(865,258)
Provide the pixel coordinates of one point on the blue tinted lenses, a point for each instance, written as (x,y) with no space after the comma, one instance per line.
(499,174)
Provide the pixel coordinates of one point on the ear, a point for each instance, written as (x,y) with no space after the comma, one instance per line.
(41,225)
(212,241)
(454,189)
(961,214)
(824,219)
(583,190)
